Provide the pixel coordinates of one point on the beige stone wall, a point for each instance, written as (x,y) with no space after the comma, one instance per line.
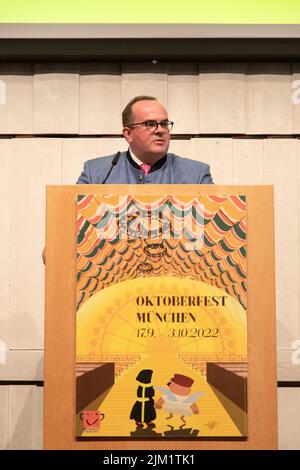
(207,98)
(240,118)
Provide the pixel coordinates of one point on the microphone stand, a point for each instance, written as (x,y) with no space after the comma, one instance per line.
(113,163)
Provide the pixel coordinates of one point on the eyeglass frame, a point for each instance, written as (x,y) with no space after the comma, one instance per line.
(158,123)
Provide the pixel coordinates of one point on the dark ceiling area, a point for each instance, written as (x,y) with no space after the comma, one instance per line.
(146,49)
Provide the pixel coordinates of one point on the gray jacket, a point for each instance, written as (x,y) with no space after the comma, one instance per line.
(174,170)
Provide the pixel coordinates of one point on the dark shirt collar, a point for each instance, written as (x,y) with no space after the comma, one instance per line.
(157,165)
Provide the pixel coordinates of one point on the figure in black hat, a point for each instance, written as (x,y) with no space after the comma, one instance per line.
(143,411)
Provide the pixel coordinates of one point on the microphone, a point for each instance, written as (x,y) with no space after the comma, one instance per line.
(113,163)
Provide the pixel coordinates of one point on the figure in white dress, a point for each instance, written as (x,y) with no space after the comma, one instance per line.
(177,398)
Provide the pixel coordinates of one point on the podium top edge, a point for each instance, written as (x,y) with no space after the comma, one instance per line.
(159,190)
(156,186)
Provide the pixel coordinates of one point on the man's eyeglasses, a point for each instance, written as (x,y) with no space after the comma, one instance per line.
(151,126)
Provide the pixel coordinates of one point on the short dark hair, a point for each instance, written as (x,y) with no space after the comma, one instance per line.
(127,114)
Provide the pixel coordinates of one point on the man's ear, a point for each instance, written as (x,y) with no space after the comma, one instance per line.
(127,134)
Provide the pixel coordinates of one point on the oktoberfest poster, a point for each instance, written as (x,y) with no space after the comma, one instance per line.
(161,328)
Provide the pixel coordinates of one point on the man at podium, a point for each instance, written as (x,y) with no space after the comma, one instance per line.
(146,128)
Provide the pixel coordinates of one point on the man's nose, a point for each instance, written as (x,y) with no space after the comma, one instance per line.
(160,129)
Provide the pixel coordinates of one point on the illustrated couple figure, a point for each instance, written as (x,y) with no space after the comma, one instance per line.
(176,399)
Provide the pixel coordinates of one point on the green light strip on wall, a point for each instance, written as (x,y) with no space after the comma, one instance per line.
(151,11)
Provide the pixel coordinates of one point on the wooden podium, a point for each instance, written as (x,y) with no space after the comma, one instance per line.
(59,402)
